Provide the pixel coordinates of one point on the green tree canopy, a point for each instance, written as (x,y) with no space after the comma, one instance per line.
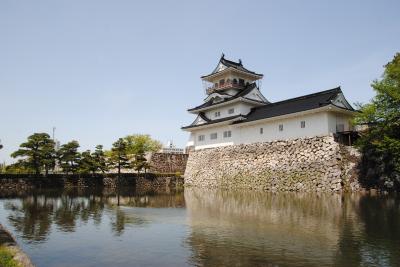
(38,153)
(69,157)
(100,159)
(118,156)
(380,145)
(87,163)
(141,143)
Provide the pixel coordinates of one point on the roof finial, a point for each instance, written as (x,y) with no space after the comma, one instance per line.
(240,61)
(223,55)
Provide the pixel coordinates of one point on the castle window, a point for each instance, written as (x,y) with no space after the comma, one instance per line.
(231,111)
(261,130)
(216,85)
(234,81)
(221,82)
(213,136)
(281,127)
(217,114)
(303,124)
(227,134)
(201,137)
(241,82)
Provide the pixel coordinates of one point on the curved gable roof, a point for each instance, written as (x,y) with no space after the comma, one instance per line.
(230,64)
(293,105)
(242,93)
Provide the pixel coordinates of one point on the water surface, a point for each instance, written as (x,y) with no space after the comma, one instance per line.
(203,228)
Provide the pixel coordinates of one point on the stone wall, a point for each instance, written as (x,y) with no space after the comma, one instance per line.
(168,162)
(307,164)
(12,183)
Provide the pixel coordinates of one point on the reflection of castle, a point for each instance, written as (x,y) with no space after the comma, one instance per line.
(249,228)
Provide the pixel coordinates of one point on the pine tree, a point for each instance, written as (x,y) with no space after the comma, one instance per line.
(119,155)
(69,157)
(38,153)
(100,159)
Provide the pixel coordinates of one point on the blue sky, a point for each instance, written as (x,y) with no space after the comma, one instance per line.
(98,70)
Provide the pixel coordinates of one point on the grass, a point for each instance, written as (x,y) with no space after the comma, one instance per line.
(7,258)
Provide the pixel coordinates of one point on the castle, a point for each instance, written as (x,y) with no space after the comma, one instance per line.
(236,112)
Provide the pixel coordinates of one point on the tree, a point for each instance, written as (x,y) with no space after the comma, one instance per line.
(19,167)
(100,159)
(140,162)
(380,145)
(141,143)
(138,146)
(87,163)
(69,156)
(119,155)
(38,153)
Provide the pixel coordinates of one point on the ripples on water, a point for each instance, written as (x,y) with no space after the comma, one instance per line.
(204,228)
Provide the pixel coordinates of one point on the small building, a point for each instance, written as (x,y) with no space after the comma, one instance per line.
(235,111)
(170,148)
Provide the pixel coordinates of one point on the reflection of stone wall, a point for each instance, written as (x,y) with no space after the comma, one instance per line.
(308,164)
(286,229)
(158,183)
(168,163)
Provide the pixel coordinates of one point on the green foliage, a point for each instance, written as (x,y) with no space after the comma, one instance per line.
(87,163)
(38,153)
(20,167)
(118,156)
(380,145)
(130,151)
(140,162)
(100,159)
(69,157)
(141,143)
(93,162)
(7,258)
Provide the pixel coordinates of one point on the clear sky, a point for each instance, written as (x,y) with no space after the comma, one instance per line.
(98,70)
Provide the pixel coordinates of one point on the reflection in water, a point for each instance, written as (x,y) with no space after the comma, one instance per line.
(34,214)
(286,229)
(204,228)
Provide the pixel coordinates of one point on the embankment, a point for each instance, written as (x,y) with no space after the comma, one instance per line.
(13,182)
(307,164)
(10,247)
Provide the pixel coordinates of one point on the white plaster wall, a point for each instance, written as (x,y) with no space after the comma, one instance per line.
(208,142)
(240,108)
(338,118)
(317,124)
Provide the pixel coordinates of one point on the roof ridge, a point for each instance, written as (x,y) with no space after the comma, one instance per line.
(232,62)
(309,95)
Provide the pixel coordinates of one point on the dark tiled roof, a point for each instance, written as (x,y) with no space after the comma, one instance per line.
(293,105)
(213,121)
(232,64)
(289,106)
(242,93)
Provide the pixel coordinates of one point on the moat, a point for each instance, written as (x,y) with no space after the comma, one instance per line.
(203,228)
